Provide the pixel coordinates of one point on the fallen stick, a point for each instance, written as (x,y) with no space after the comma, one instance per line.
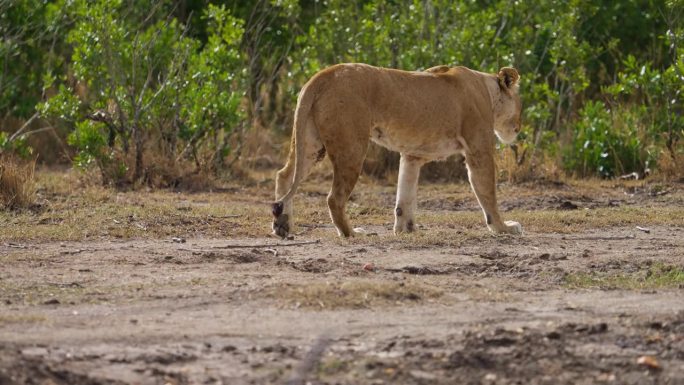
(644,229)
(15,245)
(268,245)
(617,238)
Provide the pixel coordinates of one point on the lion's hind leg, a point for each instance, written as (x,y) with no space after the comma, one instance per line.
(311,151)
(344,180)
(347,157)
(281,213)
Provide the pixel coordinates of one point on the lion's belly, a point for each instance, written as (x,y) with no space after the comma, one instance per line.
(427,144)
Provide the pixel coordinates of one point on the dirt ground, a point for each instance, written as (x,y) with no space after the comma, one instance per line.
(190,289)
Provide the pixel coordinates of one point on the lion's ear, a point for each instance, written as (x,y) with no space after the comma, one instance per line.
(508,77)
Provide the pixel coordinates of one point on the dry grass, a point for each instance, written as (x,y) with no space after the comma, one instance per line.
(163,172)
(103,287)
(34,294)
(659,276)
(17,187)
(448,214)
(522,169)
(484,294)
(21,318)
(77,212)
(355,294)
(671,168)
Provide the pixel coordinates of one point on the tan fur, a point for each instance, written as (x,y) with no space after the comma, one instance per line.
(425,116)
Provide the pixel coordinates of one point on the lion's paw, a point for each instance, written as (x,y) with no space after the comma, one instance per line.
(404,226)
(281,226)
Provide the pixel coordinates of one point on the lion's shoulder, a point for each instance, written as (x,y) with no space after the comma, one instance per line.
(443,69)
(438,69)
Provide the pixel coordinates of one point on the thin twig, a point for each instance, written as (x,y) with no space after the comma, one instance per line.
(38,130)
(23,127)
(15,245)
(617,238)
(269,245)
(77,251)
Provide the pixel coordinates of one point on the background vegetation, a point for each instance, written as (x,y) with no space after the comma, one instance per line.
(153,91)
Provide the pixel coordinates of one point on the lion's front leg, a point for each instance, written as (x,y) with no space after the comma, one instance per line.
(482,176)
(404,211)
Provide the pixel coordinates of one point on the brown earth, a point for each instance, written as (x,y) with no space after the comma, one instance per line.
(597,301)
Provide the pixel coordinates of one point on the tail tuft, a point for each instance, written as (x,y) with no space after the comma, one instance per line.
(277,209)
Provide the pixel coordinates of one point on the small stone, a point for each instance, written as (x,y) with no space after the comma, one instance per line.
(567,205)
(649,361)
(554,335)
(35,352)
(421,375)
(606,377)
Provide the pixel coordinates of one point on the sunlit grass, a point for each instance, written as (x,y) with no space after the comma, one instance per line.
(582,220)
(658,276)
(17,187)
(449,213)
(95,291)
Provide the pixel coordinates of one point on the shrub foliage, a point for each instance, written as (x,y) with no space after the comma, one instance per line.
(181,82)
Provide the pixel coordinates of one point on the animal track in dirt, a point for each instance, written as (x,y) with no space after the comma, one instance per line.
(497,269)
(237,256)
(552,335)
(568,353)
(313,265)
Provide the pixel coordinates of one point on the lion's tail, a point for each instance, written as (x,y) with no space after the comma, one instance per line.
(297,149)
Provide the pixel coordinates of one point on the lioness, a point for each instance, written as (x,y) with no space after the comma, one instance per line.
(425,116)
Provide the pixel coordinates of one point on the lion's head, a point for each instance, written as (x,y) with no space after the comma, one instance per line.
(507,108)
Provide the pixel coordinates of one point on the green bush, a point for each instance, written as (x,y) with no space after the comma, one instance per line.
(150,89)
(607,143)
(602,81)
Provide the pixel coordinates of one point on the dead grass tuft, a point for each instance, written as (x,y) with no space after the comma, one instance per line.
(17,186)
(671,168)
(355,294)
(21,318)
(516,167)
(164,172)
(260,150)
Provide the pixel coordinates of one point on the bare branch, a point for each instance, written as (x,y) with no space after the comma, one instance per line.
(39,130)
(23,127)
